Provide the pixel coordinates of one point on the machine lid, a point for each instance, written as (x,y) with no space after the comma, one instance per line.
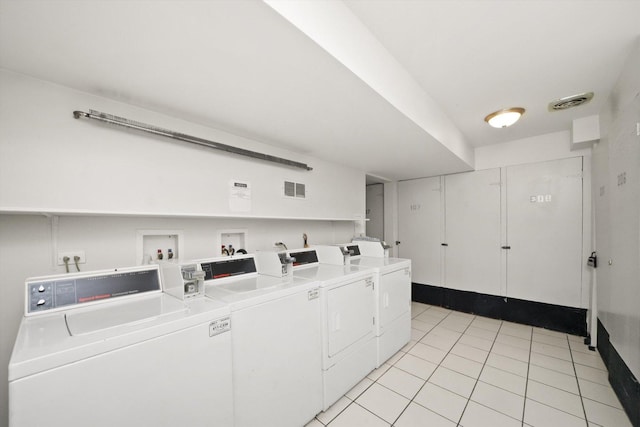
(128,313)
(329,273)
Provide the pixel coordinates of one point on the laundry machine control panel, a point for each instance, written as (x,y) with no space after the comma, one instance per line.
(45,294)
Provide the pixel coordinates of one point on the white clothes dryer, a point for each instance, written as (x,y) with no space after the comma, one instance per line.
(109,348)
(348,337)
(393,296)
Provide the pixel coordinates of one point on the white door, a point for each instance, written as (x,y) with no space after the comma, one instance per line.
(375,211)
(350,313)
(419,228)
(472,231)
(395,295)
(544,232)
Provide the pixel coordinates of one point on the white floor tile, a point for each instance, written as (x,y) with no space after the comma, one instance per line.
(442,310)
(508,364)
(580,347)
(510,351)
(455,323)
(422,326)
(475,342)
(575,338)
(605,415)
(408,346)
(522,343)
(359,388)
(438,340)
(401,382)
(476,415)
(550,339)
(503,379)
(416,366)
(492,325)
(538,415)
(314,423)
(591,359)
(417,308)
(464,366)
(551,350)
(393,359)
(481,332)
(441,401)
(552,363)
(498,399)
(469,352)
(356,415)
(383,402)
(377,373)
(554,379)
(418,416)
(426,352)
(555,398)
(592,374)
(327,416)
(549,332)
(453,381)
(430,317)
(520,331)
(417,335)
(599,393)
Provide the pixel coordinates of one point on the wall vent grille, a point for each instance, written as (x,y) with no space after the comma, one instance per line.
(295,190)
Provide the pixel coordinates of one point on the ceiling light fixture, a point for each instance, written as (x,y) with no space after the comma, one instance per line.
(504,118)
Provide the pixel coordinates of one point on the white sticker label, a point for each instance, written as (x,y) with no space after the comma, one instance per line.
(219,326)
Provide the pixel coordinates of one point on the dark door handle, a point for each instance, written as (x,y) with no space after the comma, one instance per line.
(506,247)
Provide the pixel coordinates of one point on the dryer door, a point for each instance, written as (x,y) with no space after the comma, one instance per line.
(350,310)
(395,296)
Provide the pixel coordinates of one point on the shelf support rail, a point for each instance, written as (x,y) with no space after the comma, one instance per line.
(131,124)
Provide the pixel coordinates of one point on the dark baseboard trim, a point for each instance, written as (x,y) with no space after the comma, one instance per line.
(624,383)
(555,317)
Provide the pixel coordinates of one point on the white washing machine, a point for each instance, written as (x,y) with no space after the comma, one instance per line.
(109,348)
(348,337)
(392,292)
(277,369)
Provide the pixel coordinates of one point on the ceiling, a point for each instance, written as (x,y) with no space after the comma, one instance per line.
(250,69)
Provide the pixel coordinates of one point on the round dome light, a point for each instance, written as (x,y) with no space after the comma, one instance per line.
(504,118)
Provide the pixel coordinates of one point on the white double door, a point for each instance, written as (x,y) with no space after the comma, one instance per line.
(514,231)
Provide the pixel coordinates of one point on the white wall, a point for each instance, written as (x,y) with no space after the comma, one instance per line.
(617,204)
(84,172)
(50,161)
(551,146)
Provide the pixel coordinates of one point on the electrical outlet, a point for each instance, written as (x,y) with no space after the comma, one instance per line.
(71,254)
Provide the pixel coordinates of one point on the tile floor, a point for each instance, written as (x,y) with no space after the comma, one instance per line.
(472,371)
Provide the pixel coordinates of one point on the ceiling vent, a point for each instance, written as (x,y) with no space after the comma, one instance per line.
(570,101)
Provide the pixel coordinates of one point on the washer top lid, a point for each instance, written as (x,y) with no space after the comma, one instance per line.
(129,313)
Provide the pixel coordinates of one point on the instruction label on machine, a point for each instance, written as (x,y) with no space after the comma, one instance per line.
(239,196)
(219,326)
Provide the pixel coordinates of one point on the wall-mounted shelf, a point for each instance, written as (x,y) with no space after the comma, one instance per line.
(82,212)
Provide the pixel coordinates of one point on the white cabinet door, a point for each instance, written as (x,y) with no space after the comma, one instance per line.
(472,231)
(419,228)
(544,231)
